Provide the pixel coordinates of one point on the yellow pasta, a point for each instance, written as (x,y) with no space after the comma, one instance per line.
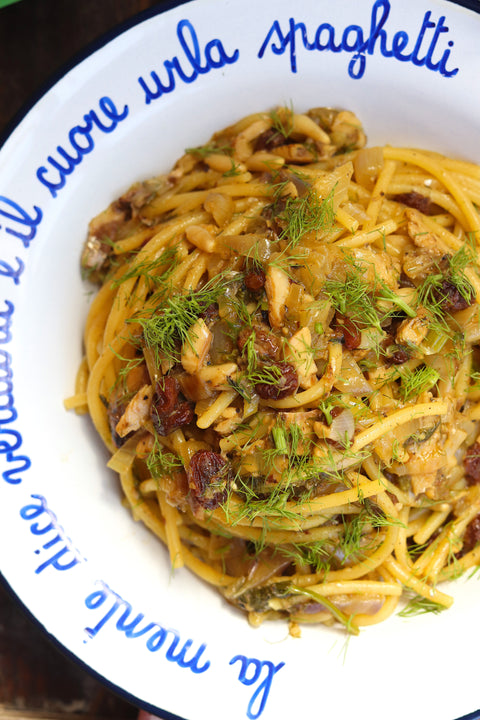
(282,360)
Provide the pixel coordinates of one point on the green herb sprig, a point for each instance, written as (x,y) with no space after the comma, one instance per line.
(168,325)
(356,298)
(305,214)
(419,605)
(414,382)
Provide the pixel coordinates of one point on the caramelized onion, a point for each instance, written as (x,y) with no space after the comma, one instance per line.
(367,164)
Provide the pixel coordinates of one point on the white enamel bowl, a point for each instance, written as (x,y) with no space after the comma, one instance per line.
(99,583)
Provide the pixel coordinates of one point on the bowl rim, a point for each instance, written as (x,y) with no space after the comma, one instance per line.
(76,59)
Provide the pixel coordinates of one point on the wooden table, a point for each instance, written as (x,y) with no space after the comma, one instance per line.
(37,38)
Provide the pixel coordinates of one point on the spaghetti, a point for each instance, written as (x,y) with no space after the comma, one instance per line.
(282,360)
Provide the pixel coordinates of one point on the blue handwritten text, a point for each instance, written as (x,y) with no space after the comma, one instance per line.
(250,673)
(81,140)
(10,439)
(215,56)
(422,51)
(19,217)
(136,627)
(8,271)
(64,556)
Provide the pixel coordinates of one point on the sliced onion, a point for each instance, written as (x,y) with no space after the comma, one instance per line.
(222,343)
(351,379)
(367,165)
(349,604)
(244,245)
(256,570)
(342,428)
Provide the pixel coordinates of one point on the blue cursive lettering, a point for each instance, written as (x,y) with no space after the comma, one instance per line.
(8,271)
(10,439)
(422,51)
(65,556)
(255,668)
(214,57)
(19,217)
(136,627)
(81,142)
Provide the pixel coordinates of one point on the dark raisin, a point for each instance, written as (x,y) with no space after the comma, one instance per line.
(451,299)
(255,280)
(472,535)
(208,479)
(397,355)
(182,415)
(415,200)
(265,344)
(286,384)
(166,395)
(352,336)
(169,410)
(472,464)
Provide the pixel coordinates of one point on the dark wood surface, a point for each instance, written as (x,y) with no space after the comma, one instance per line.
(37,680)
(37,39)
